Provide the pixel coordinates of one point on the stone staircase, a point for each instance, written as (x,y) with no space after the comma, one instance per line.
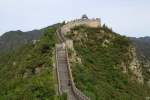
(64,73)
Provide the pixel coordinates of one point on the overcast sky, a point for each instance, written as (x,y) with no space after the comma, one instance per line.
(127,17)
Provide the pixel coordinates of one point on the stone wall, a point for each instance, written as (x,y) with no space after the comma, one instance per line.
(88,22)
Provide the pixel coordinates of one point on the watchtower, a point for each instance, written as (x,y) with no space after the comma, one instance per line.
(84,20)
(84,16)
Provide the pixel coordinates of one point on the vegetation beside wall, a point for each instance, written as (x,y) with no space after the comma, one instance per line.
(26,74)
(100,73)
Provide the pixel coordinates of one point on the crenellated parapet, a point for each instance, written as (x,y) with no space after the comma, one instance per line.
(95,22)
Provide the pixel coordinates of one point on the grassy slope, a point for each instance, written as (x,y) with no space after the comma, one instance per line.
(100,74)
(19,78)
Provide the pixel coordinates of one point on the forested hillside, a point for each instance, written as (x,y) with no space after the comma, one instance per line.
(27,73)
(101,65)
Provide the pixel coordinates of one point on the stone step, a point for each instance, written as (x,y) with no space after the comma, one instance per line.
(64,77)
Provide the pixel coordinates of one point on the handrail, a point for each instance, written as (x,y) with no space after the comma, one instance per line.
(58,79)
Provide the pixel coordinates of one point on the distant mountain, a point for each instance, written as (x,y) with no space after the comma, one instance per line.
(13,39)
(143,46)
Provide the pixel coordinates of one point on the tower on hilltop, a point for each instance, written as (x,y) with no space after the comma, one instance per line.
(84,20)
(84,16)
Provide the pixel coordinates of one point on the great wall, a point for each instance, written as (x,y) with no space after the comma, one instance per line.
(64,73)
(94,22)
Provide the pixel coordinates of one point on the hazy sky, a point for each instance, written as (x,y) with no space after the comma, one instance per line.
(128,17)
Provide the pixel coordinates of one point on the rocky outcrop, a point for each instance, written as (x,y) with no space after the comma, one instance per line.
(142,46)
(135,67)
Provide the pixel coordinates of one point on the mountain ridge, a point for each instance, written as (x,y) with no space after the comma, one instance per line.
(101,60)
(14,39)
(11,40)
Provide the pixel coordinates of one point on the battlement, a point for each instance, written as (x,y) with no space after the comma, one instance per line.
(95,22)
(82,21)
